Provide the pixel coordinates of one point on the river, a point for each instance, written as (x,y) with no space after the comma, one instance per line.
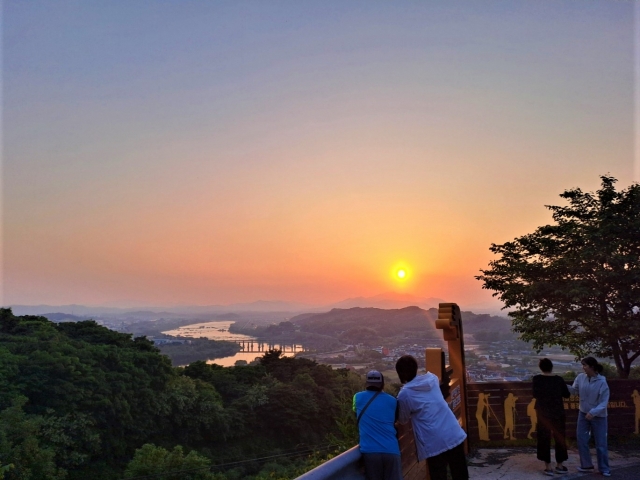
(219,330)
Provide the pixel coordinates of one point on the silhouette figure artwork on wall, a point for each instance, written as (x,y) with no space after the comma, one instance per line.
(533,416)
(509,416)
(482,411)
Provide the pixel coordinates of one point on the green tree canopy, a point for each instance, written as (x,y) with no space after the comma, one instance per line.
(151,460)
(80,401)
(576,283)
(22,453)
(100,393)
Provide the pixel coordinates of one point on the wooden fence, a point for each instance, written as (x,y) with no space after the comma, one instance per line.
(505,410)
(411,468)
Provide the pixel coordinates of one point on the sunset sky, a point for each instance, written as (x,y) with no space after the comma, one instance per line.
(183,152)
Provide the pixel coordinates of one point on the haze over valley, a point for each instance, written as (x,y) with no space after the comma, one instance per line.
(360,337)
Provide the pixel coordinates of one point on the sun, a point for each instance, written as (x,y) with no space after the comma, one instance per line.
(400,274)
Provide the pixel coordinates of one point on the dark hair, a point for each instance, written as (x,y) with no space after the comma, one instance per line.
(407,368)
(593,363)
(545,365)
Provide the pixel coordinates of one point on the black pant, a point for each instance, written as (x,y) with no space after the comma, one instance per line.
(551,426)
(456,460)
(382,466)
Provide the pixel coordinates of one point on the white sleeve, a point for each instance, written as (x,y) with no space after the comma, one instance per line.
(573,389)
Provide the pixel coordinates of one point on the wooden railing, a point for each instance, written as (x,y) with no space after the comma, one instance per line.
(411,468)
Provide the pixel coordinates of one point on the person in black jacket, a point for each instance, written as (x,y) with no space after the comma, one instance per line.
(549,390)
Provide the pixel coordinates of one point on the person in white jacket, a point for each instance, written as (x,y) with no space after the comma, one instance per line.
(439,436)
(593,391)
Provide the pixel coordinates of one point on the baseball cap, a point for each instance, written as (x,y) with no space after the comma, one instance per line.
(374,379)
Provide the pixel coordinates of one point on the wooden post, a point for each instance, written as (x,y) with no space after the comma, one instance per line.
(450,322)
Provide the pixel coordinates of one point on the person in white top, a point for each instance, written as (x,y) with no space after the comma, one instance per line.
(439,436)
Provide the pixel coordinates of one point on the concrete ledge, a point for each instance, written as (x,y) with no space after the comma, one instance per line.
(342,467)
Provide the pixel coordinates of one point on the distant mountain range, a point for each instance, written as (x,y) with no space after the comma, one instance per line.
(345,324)
(386,301)
(389,300)
(389,322)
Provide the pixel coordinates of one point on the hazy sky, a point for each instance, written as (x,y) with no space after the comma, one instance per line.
(169,152)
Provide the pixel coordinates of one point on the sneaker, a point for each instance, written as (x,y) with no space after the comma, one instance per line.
(585,469)
(606,474)
(548,472)
(562,469)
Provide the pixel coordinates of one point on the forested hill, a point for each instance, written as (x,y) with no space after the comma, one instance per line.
(78,401)
(387,323)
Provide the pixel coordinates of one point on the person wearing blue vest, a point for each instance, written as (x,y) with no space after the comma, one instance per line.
(439,436)
(376,415)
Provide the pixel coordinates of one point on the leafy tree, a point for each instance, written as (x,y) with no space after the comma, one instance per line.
(72,436)
(232,383)
(576,283)
(22,454)
(346,422)
(193,412)
(153,460)
(98,391)
(197,349)
(285,369)
(608,371)
(292,412)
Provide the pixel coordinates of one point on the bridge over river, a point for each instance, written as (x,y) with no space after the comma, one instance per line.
(256,346)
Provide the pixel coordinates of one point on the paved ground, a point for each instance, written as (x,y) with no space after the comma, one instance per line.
(521,464)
